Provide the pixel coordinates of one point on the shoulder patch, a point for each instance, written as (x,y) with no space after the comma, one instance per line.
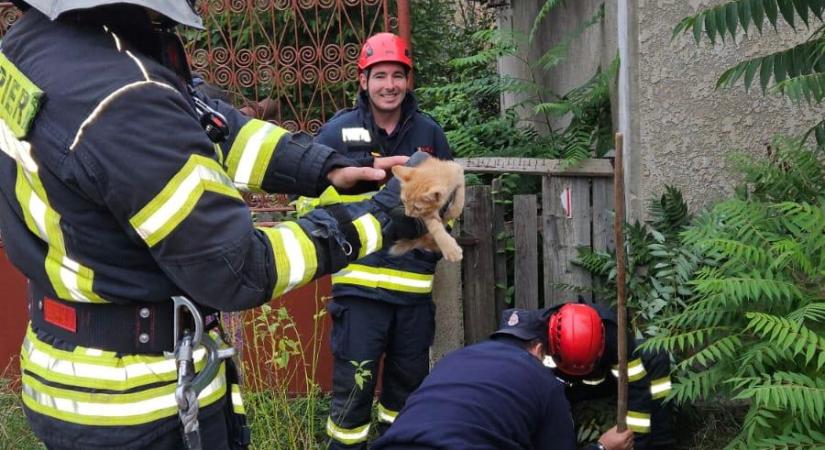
(19,98)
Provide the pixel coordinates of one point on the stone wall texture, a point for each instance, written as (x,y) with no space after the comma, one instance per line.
(682,128)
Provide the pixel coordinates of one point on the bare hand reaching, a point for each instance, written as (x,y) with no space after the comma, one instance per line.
(347,177)
(612,439)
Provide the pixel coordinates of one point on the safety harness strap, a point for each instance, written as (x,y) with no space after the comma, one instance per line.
(136,328)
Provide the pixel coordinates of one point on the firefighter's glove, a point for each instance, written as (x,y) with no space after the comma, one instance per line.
(388,201)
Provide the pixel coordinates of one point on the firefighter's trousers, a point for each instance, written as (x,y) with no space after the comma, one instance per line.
(363,331)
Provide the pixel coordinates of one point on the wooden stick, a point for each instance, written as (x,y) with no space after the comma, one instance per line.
(621,307)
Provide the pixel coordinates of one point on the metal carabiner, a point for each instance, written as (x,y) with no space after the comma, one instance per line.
(190,383)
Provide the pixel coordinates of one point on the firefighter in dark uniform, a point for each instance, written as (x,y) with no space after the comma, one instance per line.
(119,189)
(583,353)
(382,305)
(494,395)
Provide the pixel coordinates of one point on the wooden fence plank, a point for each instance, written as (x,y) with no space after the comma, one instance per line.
(603,240)
(565,230)
(449,316)
(526,259)
(499,247)
(602,214)
(537,166)
(477,268)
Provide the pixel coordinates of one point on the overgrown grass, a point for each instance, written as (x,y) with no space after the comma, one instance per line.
(14,430)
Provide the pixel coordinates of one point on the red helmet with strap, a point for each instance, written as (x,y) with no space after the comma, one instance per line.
(575,334)
(384,47)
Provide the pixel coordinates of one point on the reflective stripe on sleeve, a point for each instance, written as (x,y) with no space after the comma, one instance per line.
(237,400)
(638,422)
(376,277)
(369,232)
(178,198)
(135,408)
(294,254)
(660,388)
(385,414)
(347,436)
(635,370)
(330,196)
(251,152)
(70,279)
(593,382)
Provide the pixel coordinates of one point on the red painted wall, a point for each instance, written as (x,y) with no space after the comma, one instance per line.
(302,305)
(14,317)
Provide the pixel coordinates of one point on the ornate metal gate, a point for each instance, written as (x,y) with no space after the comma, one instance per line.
(301,54)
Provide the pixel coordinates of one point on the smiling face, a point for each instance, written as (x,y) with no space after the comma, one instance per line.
(386,85)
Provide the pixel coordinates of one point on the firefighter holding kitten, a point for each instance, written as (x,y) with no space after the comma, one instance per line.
(382,304)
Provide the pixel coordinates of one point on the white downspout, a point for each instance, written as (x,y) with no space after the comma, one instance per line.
(622,19)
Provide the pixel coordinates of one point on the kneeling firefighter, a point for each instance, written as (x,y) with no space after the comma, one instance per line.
(583,353)
(119,191)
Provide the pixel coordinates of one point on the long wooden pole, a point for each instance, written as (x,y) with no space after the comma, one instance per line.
(621,299)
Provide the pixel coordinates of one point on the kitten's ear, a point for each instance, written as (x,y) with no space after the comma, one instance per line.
(403,173)
(434,195)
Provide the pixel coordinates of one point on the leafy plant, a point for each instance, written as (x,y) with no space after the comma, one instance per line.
(659,266)
(797,72)
(755,328)
(468,107)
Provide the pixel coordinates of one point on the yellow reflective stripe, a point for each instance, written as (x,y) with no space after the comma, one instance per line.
(112,409)
(386,415)
(294,256)
(102,371)
(394,280)
(347,436)
(639,422)
(330,196)
(660,387)
(178,198)
(369,233)
(237,400)
(635,370)
(218,153)
(249,129)
(70,279)
(251,153)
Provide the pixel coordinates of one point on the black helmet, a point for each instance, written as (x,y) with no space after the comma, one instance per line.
(180,11)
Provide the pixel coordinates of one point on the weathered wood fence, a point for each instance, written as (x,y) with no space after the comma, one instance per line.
(574,210)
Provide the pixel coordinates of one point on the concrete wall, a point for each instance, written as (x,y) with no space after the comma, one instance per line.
(586,52)
(681,128)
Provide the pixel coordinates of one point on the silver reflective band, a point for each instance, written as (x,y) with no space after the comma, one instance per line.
(657,388)
(137,408)
(594,382)
(100,371)
(386,415)
(347,436)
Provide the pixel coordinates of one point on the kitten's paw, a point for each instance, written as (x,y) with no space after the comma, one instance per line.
(397,250)
(453,252)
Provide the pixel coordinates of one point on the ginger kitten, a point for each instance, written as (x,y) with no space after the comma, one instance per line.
(425,189)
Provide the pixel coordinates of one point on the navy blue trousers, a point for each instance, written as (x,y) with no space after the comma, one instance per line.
(364,330)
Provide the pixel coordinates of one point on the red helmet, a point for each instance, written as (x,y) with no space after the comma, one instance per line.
(384,47)
(576,336)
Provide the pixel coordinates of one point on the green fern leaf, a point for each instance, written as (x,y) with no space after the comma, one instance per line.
(810,88)
(546,8)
